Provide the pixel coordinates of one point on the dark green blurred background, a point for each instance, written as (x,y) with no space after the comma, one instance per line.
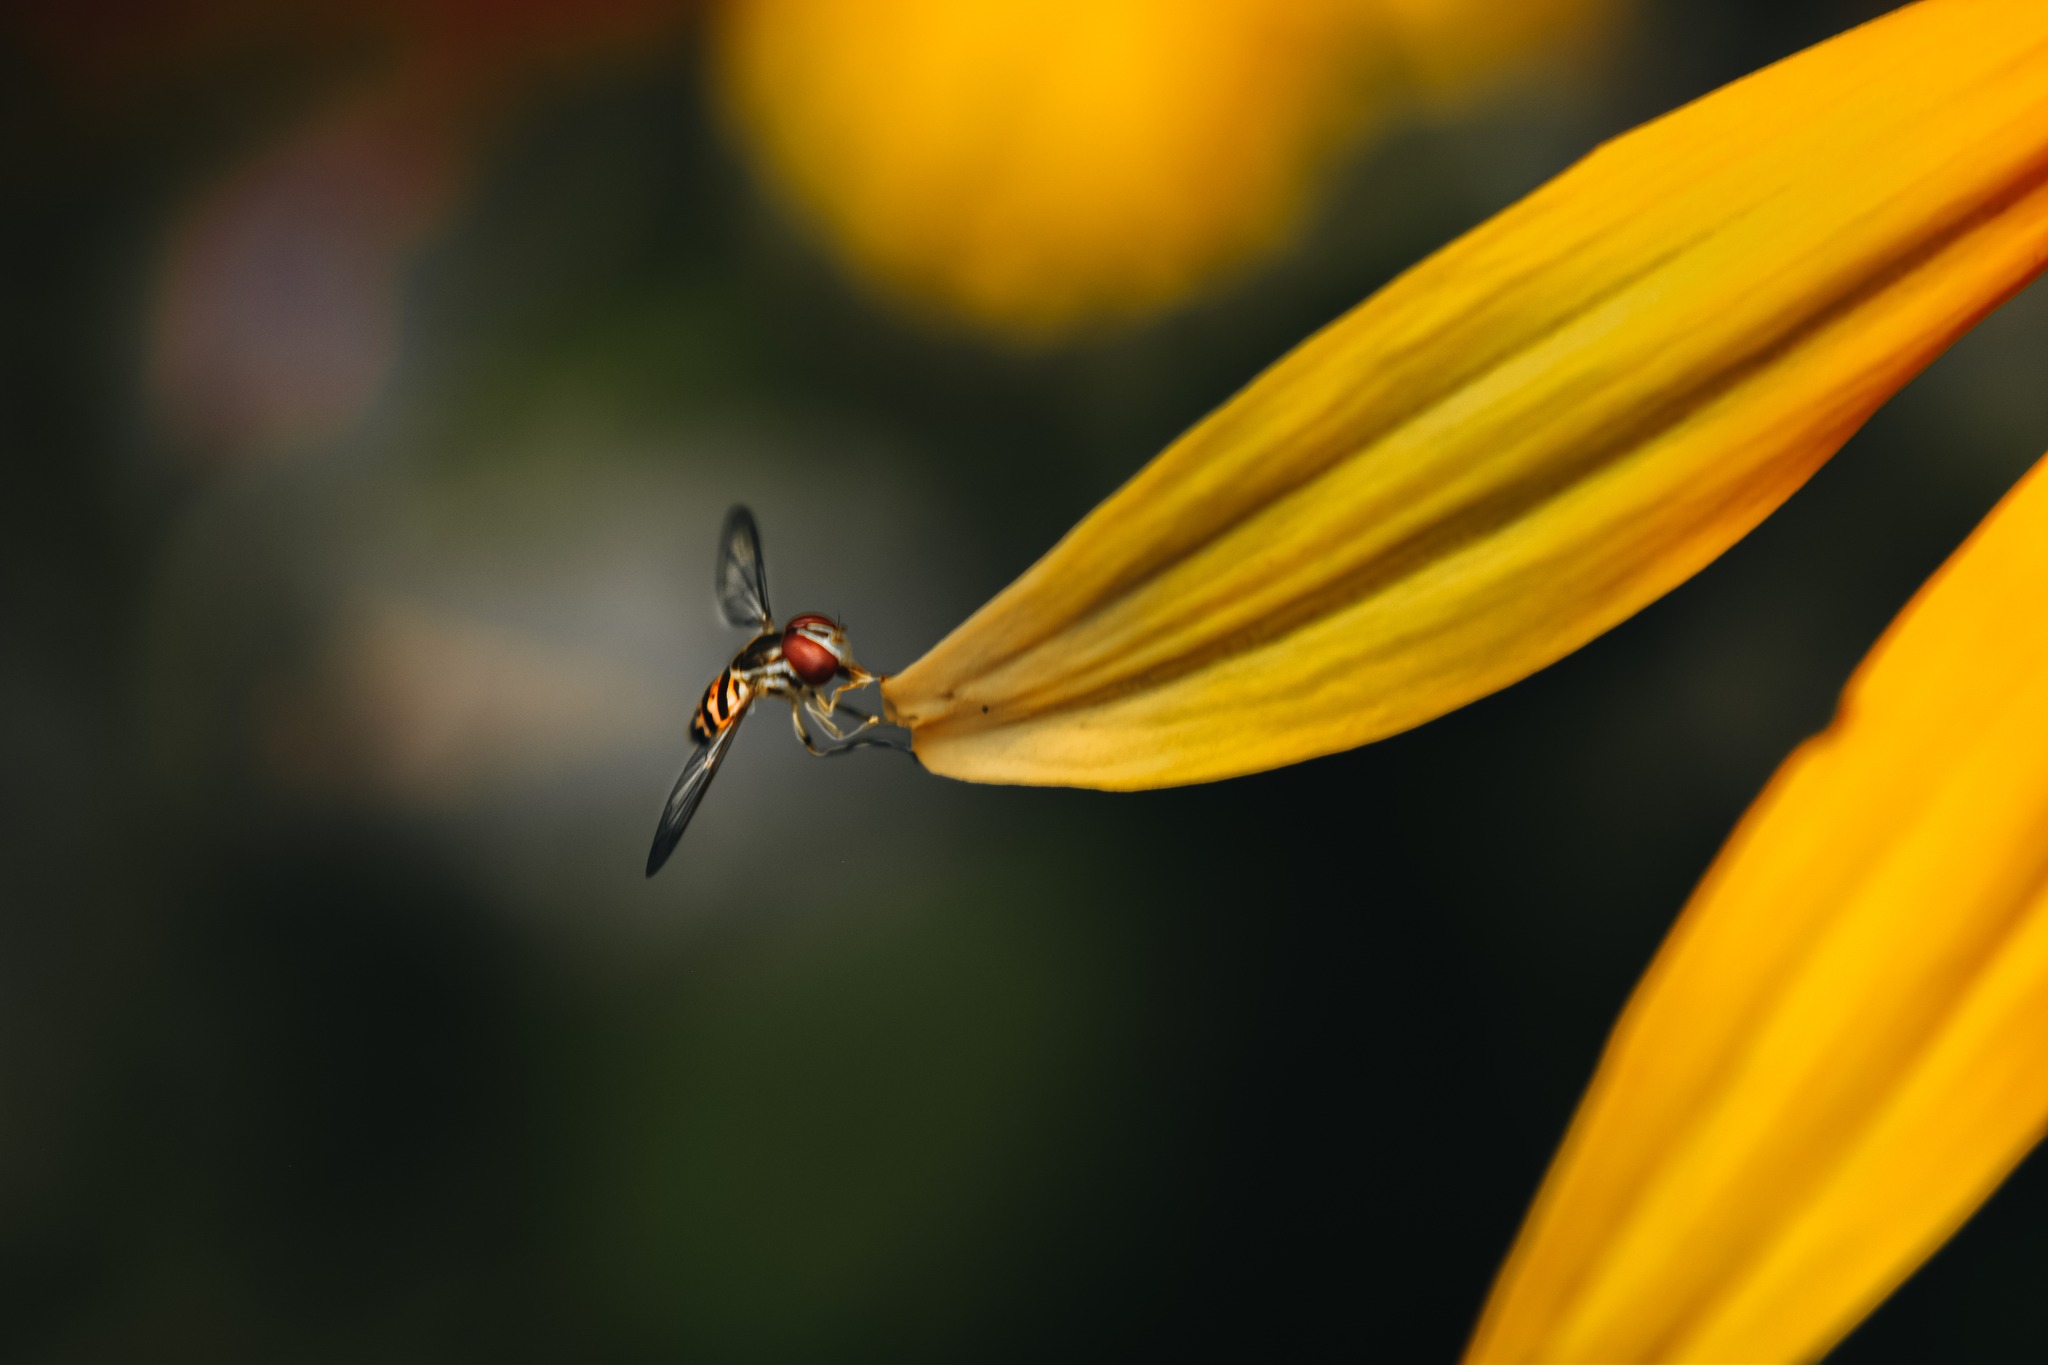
(338,1024)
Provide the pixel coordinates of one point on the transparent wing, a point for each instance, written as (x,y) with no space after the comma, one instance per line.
(742,577)
(690,788)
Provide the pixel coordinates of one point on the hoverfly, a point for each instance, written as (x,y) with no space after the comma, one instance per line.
(797,663)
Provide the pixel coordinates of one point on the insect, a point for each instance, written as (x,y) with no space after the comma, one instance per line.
(797,663)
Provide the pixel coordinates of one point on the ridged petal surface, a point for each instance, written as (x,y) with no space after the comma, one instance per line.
(1531,434)
(1843,1046)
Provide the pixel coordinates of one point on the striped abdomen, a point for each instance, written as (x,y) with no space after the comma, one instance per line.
(721,705)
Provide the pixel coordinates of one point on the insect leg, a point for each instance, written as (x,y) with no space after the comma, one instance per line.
(796,719)
(870,742)
(821,710)
(854,738)
(857,677)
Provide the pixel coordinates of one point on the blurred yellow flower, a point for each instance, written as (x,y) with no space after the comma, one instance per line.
(1843,1046)
(1448,50)
(1530,435)
(1034,166)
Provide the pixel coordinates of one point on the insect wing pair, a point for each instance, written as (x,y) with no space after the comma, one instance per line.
(810,654)
(742,588)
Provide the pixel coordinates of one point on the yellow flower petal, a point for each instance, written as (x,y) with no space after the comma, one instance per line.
(1034,165)
(1843,1046)
(1531,434)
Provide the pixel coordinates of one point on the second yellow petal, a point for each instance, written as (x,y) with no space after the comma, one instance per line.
(1843,1046)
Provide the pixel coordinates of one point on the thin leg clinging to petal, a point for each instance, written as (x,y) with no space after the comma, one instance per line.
(796,719)
(870,742)
(857,676)
(821,711)
(849,739)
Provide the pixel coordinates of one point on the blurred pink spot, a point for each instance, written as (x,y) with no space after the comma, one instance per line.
(278,317)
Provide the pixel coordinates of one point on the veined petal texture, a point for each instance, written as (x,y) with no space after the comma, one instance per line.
(1843,1046)
(1528,436)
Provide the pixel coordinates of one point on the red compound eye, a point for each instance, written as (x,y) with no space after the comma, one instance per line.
(808,659)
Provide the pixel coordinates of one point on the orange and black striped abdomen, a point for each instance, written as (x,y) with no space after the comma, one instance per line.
(721,705)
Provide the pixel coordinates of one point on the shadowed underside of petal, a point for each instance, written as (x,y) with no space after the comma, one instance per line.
(1530,435)
(1841,1049)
